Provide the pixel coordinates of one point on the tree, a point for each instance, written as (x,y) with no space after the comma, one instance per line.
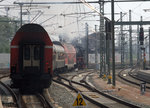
(7,31)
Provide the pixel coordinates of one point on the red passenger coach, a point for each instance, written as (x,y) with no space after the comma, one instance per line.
(70,55)
(31,58)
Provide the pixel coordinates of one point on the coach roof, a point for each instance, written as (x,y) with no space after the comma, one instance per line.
(31,28)
(31,33)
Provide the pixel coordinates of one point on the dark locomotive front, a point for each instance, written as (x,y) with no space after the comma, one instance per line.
(31,58)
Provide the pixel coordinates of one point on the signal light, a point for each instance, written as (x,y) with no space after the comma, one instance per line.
(141,36)
(108,29)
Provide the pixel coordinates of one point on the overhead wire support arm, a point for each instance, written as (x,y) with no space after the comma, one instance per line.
(106,1)
(77,13)
(54,2)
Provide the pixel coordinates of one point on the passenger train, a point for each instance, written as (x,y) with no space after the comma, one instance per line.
(34,58)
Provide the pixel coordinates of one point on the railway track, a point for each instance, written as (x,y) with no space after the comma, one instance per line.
(131,77)
(20,100)
(15,102)
(92,94)
(34,101)
(7,92)
(44,101)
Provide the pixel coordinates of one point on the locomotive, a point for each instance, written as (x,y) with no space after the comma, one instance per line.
(34,58)
(80,57)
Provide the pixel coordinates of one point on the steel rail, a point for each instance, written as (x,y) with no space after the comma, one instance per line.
(44,101)
(12,93)
(73,88)
(129,81)
(110,96)
(93,89)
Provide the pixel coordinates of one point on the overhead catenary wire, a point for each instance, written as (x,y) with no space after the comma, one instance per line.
(37,16)
(93,8)
(48,19)
(83,1)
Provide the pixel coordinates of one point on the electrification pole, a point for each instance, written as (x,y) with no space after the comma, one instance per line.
(102,41)
(130,40)
(20,14)
(141,38)
(138,46)
(113,43)
(96,59)
(108,40)
(149,46)
(122,42)
(87,47)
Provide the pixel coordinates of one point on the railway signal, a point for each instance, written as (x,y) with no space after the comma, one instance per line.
(108,29)
(141,36)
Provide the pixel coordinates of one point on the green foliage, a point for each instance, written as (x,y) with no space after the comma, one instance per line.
(7,31)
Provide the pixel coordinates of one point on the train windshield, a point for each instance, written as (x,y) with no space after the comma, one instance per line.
(26,52)
(31,57)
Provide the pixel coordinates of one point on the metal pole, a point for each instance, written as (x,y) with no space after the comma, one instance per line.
(130,32)
(102,41)
(113,43)
(96,47)
(138,46)
(122,42)
(20,14)
(78,2)
(108,51)
(108,36)
(141,50)
(149,46)
(87,58)
(7,9)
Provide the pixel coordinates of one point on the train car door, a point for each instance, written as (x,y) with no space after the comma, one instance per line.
(31,58)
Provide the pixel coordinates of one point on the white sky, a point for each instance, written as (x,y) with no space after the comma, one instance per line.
(69,23)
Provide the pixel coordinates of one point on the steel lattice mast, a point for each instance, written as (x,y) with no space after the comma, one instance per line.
(102,41)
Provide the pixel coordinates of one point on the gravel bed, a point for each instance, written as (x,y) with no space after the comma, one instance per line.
(61,96)
(100,88)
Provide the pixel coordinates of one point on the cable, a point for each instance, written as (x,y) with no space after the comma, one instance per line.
(137,6)
(48,19)
(30,5)
(91,7)
(120,8)
(37,16)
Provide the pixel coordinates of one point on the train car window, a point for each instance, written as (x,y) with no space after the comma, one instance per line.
(60,56)
(36,53)
(27,52)
(63,56)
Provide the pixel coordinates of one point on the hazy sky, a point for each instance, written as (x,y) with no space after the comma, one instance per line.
(53,19)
